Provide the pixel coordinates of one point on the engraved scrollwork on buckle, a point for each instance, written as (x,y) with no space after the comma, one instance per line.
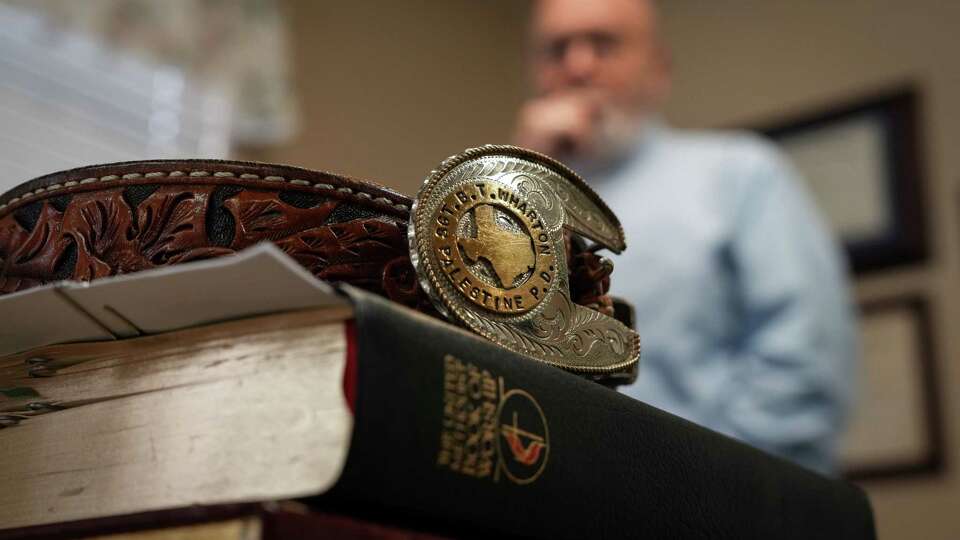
(487,240)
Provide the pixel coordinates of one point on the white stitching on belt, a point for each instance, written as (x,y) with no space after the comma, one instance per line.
(197,174)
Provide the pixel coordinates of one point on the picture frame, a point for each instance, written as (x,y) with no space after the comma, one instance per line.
(896,428)
(861,161)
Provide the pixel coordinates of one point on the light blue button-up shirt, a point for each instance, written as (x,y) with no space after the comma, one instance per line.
(740,292)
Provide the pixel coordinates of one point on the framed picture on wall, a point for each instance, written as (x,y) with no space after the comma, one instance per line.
(896,427)
(862,163)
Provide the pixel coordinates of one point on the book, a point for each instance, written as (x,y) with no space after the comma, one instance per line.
(241,411)
(372,409)
(255,521)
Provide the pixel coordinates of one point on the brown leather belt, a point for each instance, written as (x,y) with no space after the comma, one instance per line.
(103,220)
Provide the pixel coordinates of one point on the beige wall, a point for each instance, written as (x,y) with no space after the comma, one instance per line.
(389,89)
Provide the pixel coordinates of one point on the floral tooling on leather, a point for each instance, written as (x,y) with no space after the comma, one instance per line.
(125,229)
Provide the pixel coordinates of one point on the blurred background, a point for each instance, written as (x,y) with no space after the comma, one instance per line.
(862,94)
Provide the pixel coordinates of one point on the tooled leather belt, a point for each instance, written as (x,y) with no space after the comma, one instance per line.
(102,220)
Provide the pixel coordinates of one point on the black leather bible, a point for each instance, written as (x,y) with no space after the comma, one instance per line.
(451,429)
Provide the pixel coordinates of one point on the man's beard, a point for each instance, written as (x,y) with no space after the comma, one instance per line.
(617,133)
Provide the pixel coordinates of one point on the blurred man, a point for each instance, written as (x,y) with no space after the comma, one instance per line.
(741,299)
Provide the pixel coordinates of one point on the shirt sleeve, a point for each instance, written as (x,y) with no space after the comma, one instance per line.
(793,365)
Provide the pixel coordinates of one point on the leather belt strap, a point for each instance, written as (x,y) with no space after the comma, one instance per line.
(103,220)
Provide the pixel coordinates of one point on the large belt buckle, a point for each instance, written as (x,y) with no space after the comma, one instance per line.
(487,241)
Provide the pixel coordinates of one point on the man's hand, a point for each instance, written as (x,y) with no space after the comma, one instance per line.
(562,126)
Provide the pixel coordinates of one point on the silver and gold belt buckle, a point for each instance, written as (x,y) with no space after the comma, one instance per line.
(487,242)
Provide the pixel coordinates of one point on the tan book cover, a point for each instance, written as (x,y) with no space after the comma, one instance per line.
(241,411)
(157,403)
